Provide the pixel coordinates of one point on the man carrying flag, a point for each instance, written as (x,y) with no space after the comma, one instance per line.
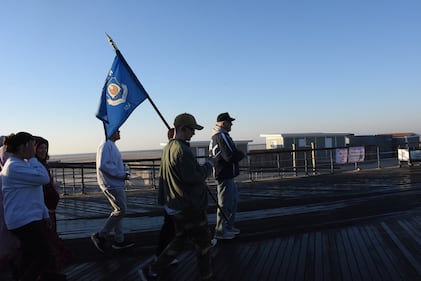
(121,94)
(111,176)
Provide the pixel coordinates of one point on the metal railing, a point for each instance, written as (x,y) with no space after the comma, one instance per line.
(80,178)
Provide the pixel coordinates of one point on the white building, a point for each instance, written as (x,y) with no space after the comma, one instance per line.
(301,140)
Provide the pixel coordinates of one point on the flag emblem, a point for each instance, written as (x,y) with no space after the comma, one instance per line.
(116,94)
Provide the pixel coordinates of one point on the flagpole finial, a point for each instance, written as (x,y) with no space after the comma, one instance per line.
(110,40)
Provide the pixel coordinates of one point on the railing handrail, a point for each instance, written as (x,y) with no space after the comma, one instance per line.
(258,164)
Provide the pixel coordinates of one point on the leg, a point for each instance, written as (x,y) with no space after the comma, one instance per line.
(166,235)
(234,203)
(117,199)
(175,246)
(225,200)
(201,236)
(36,252)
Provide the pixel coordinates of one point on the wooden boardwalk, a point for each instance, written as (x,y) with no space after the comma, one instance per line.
(349,226)
(384,249)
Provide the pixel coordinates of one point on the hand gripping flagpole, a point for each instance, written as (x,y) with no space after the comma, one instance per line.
(110,40)
(135,78)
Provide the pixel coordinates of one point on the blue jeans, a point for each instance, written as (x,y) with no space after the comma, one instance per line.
(228,201)
(118,201)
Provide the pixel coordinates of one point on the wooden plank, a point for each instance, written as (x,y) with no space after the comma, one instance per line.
(346,274)
(280,259)
(302,256)
(406,253)
(263,259)
(283,269)
(386,262)
(365,262)
(310,257)
(273,255)
(247,265)
(319,257)
(351,255)
(411,231)
(292,268)
(332,253)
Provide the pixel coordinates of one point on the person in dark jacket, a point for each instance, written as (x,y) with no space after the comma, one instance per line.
(51,196)
(183,193)
(226,158)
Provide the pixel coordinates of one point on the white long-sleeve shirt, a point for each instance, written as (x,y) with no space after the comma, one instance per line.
(23,197)
(109,166)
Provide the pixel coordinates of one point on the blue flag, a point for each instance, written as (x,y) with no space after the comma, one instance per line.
(121,94)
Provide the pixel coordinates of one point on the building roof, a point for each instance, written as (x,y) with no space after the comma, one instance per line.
(406,134)
(303,135)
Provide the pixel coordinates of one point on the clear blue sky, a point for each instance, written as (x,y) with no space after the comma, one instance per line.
(277,66)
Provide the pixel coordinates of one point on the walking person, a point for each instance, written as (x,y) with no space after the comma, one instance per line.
(111,176)
(25,213)
(167,232)
(183,192)
(226,158)
(51,198)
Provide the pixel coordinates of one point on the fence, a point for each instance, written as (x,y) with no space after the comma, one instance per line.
(80,178)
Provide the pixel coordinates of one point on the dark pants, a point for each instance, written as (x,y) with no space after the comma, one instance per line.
(36,251)
(189,226)
(166,235)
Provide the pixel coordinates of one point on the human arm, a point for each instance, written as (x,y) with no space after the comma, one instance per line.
(190,171)
(227,149)
(30,172)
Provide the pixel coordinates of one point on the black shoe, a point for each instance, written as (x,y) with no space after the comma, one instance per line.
(99,242)
(122,245)
(147,274)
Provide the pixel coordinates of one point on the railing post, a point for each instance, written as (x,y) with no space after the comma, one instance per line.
(83,180)
(74,180)
(294,159)
(153,174)
(331,161)
(250,170)
(378,157)
(305,163)
(64,181)
(313,157)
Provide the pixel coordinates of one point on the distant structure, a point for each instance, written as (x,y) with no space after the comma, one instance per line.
(303,140)
(385,144)
(329,140)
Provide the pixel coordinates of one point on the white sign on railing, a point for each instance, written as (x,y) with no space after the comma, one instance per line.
(356,154)
(341,155)
(403,154)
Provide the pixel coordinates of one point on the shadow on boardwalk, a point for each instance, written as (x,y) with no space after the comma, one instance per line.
(351,226)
